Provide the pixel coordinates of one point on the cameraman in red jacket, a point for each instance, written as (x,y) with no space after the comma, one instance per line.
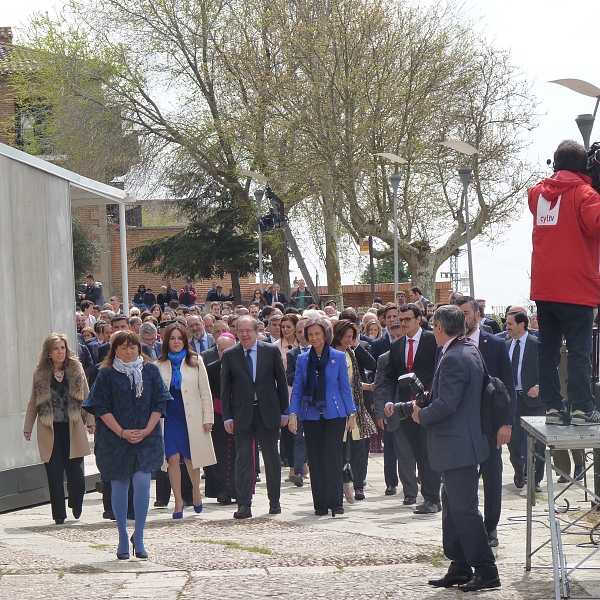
(566,228)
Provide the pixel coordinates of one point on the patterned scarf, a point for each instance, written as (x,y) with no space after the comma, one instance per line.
(316,378)
(133,370)
(365,424)
(176,359)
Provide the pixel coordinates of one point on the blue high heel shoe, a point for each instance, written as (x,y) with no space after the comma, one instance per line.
(179,515)
(198,509)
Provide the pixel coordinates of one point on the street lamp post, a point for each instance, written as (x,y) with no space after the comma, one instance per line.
(395,180)
(584,122)
(465,175)
(258,194)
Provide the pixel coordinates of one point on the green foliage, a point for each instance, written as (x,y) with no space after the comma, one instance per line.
(217,240)
(384,271)
(85,252)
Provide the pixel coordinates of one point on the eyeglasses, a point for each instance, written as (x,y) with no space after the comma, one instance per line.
(406,319)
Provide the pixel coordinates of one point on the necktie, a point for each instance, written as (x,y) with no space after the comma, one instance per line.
(409,362)
(515,361)
(249,364)
(201,344)
(274,298)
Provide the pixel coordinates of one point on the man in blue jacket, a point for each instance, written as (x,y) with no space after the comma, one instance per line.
(457,445)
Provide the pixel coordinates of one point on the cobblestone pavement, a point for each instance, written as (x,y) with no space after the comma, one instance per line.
(378,549)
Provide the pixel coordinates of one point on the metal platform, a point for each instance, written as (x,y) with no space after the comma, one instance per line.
(559,437)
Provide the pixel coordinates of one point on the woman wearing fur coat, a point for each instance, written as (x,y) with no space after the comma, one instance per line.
(58,391)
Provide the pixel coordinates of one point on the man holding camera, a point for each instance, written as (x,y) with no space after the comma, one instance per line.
(566,229)
(457,445)
(414,353)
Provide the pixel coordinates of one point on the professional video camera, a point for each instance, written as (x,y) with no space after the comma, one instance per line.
(593,166)
(421,397)
(276,215)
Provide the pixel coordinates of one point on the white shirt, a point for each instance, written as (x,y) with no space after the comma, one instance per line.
(474,337)
(416,339)
(522,341)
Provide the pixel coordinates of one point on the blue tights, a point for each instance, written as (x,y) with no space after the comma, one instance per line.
(141,502)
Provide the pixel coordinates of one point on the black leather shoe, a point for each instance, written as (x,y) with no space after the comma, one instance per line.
(408,500)
(59,521)
(275,509)
(391,490)
(538,488)
(337,510)
(427,508)
(519,480)
(480,583)
(76,513)
(109,514)
(359,494)
(223,499)
(321,513)
(493,539)
(243,512)
(449,580)
(159,504)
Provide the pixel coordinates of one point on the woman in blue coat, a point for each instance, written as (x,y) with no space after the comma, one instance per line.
(128,399)
(322,400)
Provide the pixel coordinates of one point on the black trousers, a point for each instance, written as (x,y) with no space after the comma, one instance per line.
(417,440)
(244,462)
(515,446)
(464,537)
(287,445)
(57,466)
(324,441)
(491,472)
(359,459)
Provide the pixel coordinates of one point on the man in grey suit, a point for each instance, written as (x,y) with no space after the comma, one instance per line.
(199,339)
(523,353)
(254,398)
(457,445)
(148,336)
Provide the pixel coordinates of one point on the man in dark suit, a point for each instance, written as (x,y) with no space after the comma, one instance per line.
(148,335)
(254,398)
(523,354)
(199,339)
(273,294)
(495,355)
(457,445)
(382,344)
(414,352)
(118,323)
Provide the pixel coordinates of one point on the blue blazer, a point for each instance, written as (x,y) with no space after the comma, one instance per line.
(338,392)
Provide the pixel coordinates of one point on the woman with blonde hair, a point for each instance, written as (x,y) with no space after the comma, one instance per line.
(189,417)
(58,391)
(128,399)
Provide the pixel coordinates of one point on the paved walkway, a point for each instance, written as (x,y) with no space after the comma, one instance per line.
(378,549)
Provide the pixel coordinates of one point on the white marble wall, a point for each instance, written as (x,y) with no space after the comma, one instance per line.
(37,291)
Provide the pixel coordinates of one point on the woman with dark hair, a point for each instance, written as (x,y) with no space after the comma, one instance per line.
(285,343)
(128,399)
(138,299)
(258,297)
(58,391)
(322,400)
(156,311)
(345,339)
(190,416)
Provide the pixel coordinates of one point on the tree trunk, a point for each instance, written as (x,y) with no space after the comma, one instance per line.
(280,260)
(332,257)
(237,291)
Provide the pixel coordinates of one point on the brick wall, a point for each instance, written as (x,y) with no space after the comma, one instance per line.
(7,112)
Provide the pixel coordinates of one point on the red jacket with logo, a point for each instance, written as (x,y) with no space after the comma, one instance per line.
(565,264)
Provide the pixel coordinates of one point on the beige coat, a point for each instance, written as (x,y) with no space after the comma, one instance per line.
(40,408)
(198,403)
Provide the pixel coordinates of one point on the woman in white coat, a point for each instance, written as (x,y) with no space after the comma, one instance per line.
(189,417)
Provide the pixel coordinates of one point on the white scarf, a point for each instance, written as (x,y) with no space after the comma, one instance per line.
(133,370)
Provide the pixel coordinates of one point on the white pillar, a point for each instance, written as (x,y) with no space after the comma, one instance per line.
(123,240)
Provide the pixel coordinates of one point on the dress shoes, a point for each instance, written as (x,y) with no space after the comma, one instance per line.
(448,580)
(480,583)
(321,513)
(427,508)
(519,480)
(275,509)
(243,512)
(337,510)
(160,504)
(359,494)
(391,490)
(538,488)
(109,514)
(409,500)
(223,499)
(493,539)
(76,513)
(59,521)
(296,480)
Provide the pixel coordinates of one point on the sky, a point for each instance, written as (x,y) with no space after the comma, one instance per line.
(548,40)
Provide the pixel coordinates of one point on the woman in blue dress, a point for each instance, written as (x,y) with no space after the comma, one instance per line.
(190,416)
(128,399)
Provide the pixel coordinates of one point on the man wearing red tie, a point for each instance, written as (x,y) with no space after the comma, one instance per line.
(413,353)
